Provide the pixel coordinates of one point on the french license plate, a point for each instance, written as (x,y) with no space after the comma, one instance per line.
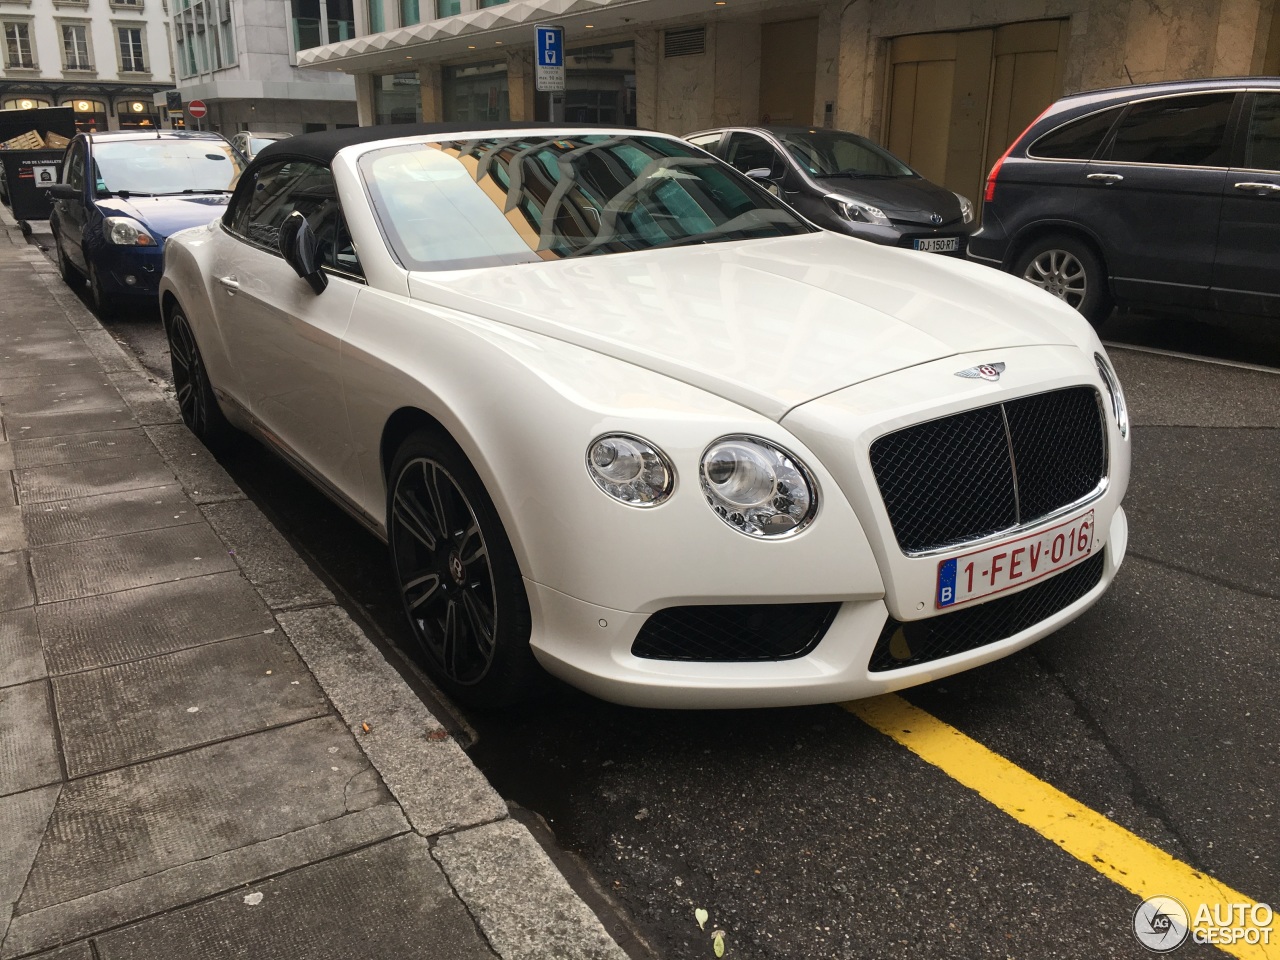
(938,244)
(1014,562)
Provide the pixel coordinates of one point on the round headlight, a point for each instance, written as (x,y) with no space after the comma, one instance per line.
(631,470)
(757,488)
(1109,379)
(126,232)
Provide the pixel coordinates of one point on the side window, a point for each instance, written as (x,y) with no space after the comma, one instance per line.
(1262,149)
(1078,139)
(282,188)
(750,152)
(709,142)
(74,173)
(1182,131)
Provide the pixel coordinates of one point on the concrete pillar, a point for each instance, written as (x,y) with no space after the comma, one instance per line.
(520,84)
(647,79)
(431,78)
(366,115)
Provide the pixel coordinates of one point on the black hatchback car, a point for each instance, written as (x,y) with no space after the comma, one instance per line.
(846,183)
(1161,194)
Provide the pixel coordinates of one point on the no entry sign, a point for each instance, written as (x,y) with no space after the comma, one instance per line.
(197,109)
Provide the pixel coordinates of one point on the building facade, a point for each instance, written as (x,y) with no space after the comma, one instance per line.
(106,59)
(240,58)
(946,84)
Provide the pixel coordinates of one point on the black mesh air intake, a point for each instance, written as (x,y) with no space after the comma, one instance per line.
(976,473)
(922,641)
(738,633)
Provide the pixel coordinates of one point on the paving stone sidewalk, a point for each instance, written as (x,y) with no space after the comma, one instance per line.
(185,769)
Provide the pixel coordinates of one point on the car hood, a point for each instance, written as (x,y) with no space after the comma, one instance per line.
(163,216)
(907,199)
(768,324)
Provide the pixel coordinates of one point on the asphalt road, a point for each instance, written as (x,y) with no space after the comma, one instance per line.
(805,833)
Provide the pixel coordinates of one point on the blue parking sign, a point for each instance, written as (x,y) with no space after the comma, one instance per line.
(550,46)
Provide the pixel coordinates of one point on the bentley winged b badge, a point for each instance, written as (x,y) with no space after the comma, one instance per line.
(983,371)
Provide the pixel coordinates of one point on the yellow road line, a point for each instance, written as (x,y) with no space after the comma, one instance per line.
(1091,838)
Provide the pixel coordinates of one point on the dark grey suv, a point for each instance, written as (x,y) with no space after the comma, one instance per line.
(1160,194)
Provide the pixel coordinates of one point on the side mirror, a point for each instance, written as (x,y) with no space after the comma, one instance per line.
(65,191)
(301,250)
(764,177)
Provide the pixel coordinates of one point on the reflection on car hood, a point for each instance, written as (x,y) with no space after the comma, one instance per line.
(768,324)
(165,215)
(907,199)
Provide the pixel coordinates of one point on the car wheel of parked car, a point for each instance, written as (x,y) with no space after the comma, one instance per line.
(104,304)
(1070,270)
(458,576)
(196,401)
(70,275)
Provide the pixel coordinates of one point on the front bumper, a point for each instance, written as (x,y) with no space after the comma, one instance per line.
(589,643)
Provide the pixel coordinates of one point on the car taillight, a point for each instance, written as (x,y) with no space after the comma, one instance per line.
(990,193)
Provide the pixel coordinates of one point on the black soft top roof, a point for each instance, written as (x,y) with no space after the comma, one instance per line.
(323,146)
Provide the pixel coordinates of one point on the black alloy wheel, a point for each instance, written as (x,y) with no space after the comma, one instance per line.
(1069,269)
(196,400)
(458,576)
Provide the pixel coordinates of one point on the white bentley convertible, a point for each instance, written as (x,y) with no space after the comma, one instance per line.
(619,412)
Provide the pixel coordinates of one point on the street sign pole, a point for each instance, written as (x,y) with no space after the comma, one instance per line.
(549,68)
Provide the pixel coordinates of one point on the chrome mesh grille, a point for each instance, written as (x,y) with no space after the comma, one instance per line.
(976,473)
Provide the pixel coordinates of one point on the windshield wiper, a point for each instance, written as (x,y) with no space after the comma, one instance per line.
(211,190)
(126,194)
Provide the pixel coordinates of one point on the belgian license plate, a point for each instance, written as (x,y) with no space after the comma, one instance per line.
(938,244)
(1014,562)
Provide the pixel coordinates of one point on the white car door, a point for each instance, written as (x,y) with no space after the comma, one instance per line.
(283,338)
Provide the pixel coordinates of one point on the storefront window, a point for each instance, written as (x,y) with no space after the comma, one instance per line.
(137,115)
(397,98)
(477,91)
(90,115)
(600,86)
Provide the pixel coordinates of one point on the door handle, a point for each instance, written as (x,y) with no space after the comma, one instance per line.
(1264,187)
(231,283)
(1105,177)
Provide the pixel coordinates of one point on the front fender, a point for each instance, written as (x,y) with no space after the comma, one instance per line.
(525,407)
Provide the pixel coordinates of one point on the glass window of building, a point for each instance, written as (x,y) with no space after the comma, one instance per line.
(17,46)
(448,8)
(397,98)
(491,3)
(75,47)
(133,57)
(306,23)
(409,13)
(477,91)
(91,115)
(377,22)
(600,86)
(342,20)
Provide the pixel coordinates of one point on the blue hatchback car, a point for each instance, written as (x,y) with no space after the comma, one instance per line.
(122,194)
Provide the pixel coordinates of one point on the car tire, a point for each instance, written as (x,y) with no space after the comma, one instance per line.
(1068,268)
(105,305)
(72,277)
(196,400)
(459,581)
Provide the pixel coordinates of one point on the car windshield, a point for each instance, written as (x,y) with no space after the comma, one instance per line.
(164,166)
(831,153)
(521,199)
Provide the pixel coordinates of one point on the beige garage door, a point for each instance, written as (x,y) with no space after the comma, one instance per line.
(788,71)
(956,100)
